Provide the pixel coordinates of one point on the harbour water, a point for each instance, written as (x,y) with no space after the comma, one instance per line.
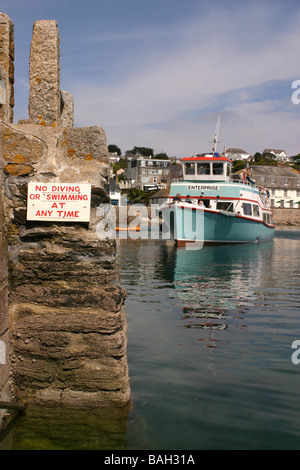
(210,336)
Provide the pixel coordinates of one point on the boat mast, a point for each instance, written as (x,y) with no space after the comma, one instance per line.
(216,135)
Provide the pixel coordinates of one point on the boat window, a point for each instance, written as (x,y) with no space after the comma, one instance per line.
(265,217)
(247,208)
(228,170)
(225,206)
(218,168)
(190,168)
(256,212)
(203,169)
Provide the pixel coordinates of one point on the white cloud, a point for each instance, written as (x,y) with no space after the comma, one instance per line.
(156,104)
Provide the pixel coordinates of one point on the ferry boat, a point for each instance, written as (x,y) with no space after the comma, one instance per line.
(210,207)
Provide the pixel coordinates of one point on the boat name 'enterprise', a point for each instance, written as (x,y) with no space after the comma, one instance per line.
(201,187)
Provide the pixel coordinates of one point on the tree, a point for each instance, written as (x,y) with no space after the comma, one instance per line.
(145,151)
(257,156)
(114,149)
(161,156)
(238,165)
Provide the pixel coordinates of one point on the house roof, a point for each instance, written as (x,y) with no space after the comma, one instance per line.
(279,177)
(275,151)
(113,185)
(161,193)
(260,170)
(236,150)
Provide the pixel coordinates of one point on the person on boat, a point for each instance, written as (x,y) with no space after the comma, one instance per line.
(188,199)
(177,198)
(200,202)
(244,175)
(248,176)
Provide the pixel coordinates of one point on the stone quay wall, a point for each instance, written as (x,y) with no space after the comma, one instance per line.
(284,216)
(62,309)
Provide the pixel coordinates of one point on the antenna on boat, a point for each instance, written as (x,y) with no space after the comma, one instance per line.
(215,141)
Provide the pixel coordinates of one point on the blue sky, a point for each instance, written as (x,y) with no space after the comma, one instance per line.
(158,73)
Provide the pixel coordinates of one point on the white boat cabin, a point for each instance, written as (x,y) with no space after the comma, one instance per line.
(206,168)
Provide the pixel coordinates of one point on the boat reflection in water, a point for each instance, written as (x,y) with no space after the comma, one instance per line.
(215,286)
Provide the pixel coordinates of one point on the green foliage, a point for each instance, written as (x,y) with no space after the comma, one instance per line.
(114,149)
(145,151)
(296,166)
(161,156)
(264,161)
(238,165)
(138,196)
(257,156)
(122,163)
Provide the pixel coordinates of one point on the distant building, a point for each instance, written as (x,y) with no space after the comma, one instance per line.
(237,154)
(115,193)
(278,155)
(176,172)
(160,197)
(147,173)
(283,184)
(114,157)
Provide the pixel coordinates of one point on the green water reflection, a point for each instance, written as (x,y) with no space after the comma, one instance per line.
(209,353)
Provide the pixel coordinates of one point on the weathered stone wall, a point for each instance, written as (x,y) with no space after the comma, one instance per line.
(6,68)
(5,392)
(65,306)
(284,216)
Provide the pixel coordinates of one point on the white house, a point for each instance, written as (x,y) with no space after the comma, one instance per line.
(115,195)
(237,154)
(279,155)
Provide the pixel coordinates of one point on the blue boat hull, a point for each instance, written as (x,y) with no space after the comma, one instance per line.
(210,227)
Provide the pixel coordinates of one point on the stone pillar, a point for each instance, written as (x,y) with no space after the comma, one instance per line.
(6,68)
(65,305)
(44,76)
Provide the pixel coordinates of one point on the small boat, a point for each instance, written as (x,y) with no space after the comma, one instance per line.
(210,207)
(128,229)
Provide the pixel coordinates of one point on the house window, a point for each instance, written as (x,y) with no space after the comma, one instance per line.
(285,193)
(291,204)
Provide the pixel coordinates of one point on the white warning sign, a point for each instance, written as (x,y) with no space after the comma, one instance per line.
(59,202)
